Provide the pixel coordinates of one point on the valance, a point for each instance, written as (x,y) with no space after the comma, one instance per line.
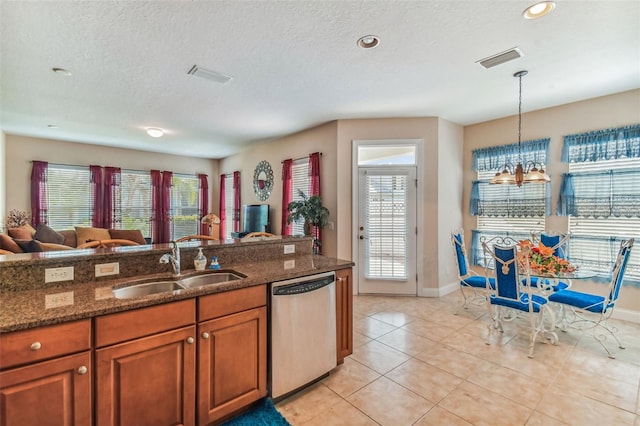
(602,194)
(606,144)
(494,157)
(530,200)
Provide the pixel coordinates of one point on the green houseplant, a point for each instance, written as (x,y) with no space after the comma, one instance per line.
(311,210)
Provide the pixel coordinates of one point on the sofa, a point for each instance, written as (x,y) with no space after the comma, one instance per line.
(26,239)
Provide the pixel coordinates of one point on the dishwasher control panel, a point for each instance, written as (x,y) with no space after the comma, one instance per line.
(302,287)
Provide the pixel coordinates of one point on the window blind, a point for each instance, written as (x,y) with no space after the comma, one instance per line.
(300,181)
(70,200)
(386,224)
(184,209)
(135,201)
(229,191)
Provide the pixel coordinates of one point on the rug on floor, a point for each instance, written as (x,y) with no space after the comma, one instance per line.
(263,414)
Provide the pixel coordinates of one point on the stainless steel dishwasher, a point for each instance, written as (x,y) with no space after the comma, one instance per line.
(303,331)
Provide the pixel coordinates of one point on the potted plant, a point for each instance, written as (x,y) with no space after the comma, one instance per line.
(311,210)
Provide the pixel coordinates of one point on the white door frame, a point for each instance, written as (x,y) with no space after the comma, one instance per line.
(419,205)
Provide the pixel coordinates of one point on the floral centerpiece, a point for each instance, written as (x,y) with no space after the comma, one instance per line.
(542,261)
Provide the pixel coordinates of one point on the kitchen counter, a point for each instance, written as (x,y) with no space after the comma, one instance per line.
(66,302)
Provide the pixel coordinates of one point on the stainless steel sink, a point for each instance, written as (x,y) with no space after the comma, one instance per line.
(174,286)
(209,279)
(145,289)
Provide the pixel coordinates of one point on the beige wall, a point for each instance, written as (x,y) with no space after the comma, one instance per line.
(317,139)
(3,180)
(599,113)
(20,151)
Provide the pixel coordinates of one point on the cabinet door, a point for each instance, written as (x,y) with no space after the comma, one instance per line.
(344,313)
(55,392)
(147,381)
(232,363)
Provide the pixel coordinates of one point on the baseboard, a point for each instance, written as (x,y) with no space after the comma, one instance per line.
(626,315)
(440,291)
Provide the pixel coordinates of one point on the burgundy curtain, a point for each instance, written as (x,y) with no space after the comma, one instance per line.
(287,196)
(314,184)
(223,208)
(167,183)
(97,202)
(39,204)
(204,202)
(156,207)
(236,201)
(112,206)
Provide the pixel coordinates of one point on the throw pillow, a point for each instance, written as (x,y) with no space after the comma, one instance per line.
(24,232)
(7,243)
(29,246)
(84,235)
(128,234)
(46,234)
(54,247)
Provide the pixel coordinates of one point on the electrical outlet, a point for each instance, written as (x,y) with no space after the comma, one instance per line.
(289,248)
(58,299)
(53,275)
(104,269)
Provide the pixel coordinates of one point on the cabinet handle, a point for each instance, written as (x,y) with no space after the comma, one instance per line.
(35,346)
(205,335)
(190,340)
(82,369)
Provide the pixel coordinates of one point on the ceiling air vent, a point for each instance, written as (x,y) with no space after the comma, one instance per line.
(209,75)
(501,58)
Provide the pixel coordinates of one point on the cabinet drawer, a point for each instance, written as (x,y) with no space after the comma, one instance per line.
(123,326)
(27,346)
(230,302)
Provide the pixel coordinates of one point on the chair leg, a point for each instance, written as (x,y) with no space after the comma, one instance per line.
(465,303)
(598,326)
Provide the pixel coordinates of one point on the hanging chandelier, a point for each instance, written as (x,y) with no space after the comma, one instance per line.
(531,171)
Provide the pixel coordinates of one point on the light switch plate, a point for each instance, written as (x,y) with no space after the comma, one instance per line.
(104,269)
(289,264)
(289,248)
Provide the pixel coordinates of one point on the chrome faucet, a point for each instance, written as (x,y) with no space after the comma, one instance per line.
(174,258)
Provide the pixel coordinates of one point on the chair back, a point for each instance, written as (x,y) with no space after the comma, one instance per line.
(558,241)
(457,239)
(504,253)
(618,270)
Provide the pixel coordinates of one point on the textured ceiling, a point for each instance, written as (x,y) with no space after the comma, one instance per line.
(295,65)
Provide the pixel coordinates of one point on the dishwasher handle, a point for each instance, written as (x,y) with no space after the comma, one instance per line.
(302,287)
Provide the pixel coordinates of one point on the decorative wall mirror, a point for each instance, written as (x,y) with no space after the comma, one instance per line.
(263,180)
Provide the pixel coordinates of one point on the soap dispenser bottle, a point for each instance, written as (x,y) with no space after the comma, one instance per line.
(214,263)
(200,262)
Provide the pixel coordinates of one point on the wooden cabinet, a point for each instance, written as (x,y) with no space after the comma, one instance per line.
(40,383)
(148,380)
(344,313)
(232,352)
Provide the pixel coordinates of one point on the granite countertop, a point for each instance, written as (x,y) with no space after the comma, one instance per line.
(33,308)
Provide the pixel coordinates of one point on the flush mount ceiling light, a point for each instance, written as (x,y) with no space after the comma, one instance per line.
(155,132)
(368,41)
(500,58)
(538,10)
(531,172)
(61,71)
(209,74)
(52,126)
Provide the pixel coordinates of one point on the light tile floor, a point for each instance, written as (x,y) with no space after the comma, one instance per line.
(417,363)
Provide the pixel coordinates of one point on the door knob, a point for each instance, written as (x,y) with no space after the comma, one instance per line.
(205,335)
(190,340)
(82,370)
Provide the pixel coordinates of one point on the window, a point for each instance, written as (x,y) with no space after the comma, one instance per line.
(300,182)
(135,201)
(185,204)
(70,201)
(507,210)
(602,199)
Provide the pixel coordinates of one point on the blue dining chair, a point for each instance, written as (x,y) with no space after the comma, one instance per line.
(585,311)
(470,281)
(559,242)
(509,294)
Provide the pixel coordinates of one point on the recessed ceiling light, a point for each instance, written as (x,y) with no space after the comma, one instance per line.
(155,132)
(61,71)
(52,126)
(538,10)
(368,41)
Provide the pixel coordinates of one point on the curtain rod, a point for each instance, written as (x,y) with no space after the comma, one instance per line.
(301,158)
